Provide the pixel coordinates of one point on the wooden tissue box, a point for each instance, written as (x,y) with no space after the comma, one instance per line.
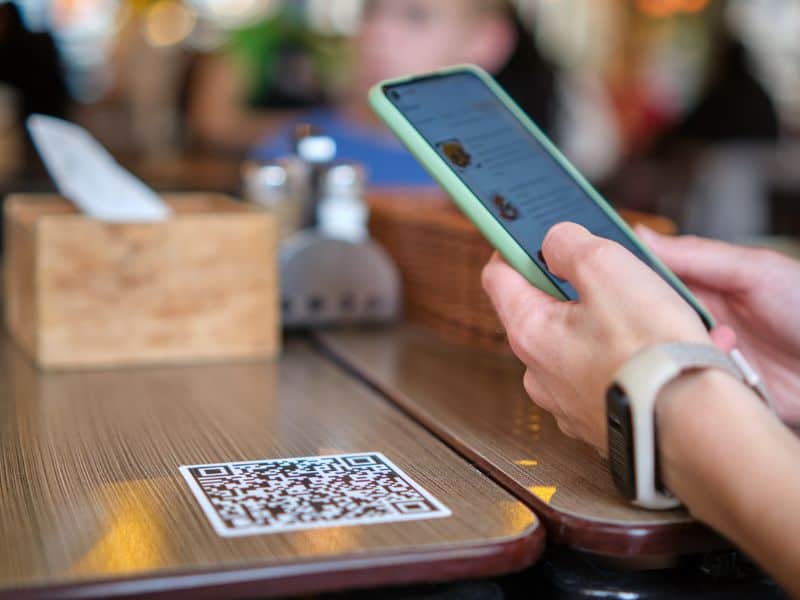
(83,293)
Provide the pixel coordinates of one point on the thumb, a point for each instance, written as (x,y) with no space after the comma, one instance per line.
(593,265)
(513,297)
(711,263)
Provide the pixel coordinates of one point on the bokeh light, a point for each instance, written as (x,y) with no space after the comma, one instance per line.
(168,22)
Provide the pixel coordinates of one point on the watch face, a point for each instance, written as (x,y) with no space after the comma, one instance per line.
(620,441)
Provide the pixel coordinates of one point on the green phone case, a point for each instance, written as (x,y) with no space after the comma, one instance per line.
(474,209)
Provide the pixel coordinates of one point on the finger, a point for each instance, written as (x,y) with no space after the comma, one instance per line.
(514,298)
(723,337)
(565,429)
(713,263)
(564,247)
(592,264)
(537,392)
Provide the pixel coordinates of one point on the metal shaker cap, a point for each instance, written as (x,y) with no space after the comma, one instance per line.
(344,179)
(266,183)
(316,149)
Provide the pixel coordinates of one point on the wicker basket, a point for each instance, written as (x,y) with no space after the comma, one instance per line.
(440,254)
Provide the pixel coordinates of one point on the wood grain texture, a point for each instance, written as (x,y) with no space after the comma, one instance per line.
(93,503)
(199,286)
(475,401)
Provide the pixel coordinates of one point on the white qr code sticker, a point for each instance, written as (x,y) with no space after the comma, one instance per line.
(286,494)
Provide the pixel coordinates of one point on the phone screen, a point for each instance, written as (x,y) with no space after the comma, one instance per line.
(503,164)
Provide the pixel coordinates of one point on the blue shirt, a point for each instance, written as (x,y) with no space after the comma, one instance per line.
(388,163)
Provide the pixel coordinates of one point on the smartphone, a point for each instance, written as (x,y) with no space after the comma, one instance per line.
(502,171)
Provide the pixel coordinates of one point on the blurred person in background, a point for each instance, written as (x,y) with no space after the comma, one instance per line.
(400,37)
(31,81)
(708,171)
(734,106)
(30,65)
(722,148)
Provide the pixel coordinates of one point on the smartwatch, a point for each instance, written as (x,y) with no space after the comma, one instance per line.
(630,403)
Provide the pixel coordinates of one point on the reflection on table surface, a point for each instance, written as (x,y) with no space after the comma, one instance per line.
(474,400)
(92,492)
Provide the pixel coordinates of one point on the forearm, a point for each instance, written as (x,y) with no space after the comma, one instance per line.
(735,466)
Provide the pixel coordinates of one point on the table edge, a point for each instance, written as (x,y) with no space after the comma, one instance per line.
(595,536)
(437,564)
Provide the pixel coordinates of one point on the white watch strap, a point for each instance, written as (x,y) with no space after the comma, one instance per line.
(693,356)
(642,378)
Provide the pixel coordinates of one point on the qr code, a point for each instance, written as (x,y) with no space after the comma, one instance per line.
(285,494)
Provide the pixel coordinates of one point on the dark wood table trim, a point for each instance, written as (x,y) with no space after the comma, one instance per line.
(353,572)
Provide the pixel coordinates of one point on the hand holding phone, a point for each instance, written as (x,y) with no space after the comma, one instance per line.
(572,350)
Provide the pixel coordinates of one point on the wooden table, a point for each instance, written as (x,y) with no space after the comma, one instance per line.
(93,504)
(475,401)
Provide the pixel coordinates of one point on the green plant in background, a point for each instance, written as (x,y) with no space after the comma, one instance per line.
(287,64)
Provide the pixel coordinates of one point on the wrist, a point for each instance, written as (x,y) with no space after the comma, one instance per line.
(647,449)
(689,412)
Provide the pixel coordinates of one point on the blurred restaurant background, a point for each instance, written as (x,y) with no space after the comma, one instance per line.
(685,108)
